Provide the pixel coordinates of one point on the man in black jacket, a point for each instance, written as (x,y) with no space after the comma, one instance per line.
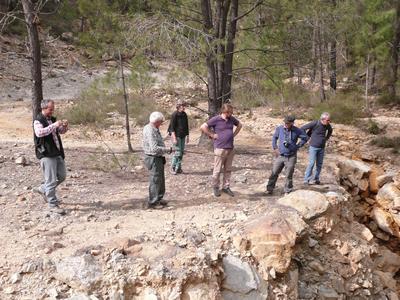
(179,129)
(49,150)
(320,131)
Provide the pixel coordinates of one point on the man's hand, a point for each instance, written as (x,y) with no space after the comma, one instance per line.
(174,140)
(276,152)
(214,136)
(58,124)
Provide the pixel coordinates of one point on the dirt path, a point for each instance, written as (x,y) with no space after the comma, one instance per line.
(105,206)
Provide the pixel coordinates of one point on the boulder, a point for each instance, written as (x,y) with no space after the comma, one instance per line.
(240,278)
(80,272)
(272,237)
(387,261)
(385,178)
(389,196)
(309,204)
(385,221)
(356,168)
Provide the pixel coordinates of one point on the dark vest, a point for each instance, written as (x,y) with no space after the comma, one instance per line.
(49,146)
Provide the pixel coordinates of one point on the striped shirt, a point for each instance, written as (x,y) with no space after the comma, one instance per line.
(41,131)
(153,143)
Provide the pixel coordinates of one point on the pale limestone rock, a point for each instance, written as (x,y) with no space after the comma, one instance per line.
(273,236)
(239,276)
(385,178)
(385,221)
(80,272)
(309,204)
(196,292)
(386,278)
(387,261)
(389,196)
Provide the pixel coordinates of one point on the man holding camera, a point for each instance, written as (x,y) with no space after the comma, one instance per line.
(284,143)
(49,150)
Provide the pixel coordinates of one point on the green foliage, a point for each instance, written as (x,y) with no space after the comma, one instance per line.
(111,162)
(140,79)
(386,142)
(373,128)
(344,108)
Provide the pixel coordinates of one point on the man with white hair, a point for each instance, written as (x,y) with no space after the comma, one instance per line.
(319,131)
(154,150)
(49,150)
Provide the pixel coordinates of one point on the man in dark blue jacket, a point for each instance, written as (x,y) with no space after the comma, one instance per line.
(319,131)
(284,143)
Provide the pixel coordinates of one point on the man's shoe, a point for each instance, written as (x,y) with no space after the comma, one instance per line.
(156,205)
(217,192)
(37,190)
(317,182)
(228,191)
(179,171)
(269,193)
(163,203)
(306,183)
(56,209)
(173,171)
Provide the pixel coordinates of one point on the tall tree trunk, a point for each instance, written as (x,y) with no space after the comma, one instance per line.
(366,85)
(127,126)
(321,66)
(32,21)
(213,101)
(313,74)
(394,56)
(332,58)
(230,47)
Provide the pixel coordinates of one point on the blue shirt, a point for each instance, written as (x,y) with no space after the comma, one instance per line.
(291,136)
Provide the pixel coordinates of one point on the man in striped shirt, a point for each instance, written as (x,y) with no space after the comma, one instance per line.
(49,150)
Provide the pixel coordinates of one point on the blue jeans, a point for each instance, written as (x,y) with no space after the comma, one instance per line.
(316,157)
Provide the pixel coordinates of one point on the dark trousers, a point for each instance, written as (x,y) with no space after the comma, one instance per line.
(155,164)
(280,162)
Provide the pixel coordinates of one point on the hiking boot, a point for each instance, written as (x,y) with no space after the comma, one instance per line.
(173,171)
(228,191)
(217,192)
(37,190)
(269,192)
(156,205)
(57,210)
(317,182)
(179,171)
(163,203)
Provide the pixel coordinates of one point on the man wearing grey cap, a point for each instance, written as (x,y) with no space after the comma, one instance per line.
(284,143)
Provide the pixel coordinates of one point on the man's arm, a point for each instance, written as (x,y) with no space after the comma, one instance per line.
(308,125)
(275,139)
(303,138)
(204,128)
(238,128)
(330,130)
(41,131)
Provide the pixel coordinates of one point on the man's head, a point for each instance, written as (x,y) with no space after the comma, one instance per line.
(289,121)
(180,105)
(325,118)
(156,118)
(227,110)
(47,108)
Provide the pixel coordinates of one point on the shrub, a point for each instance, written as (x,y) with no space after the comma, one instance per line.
(386,142)
(343,108)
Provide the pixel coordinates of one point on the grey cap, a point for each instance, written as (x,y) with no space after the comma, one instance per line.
(289,119)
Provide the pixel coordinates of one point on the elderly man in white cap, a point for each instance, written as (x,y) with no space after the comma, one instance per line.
(154,150)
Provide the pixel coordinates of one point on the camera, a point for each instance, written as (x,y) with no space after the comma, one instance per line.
(286,144)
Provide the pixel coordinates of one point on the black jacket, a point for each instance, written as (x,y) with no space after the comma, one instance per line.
(46,143)
(179,124)
(319,133)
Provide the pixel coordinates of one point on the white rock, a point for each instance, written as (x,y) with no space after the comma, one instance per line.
(309,204)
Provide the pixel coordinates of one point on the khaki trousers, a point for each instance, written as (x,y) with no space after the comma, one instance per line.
(223,159)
